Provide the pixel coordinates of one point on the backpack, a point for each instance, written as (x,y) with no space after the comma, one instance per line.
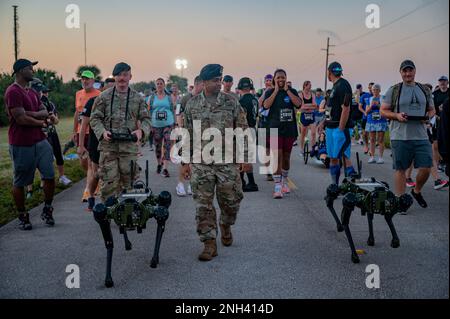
(397,91)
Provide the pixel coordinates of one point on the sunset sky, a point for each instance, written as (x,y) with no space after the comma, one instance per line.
(248,37)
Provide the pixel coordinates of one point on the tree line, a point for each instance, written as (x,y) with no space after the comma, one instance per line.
(63,93)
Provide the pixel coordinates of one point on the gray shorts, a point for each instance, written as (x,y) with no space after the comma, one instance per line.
(27,158)
(404,153)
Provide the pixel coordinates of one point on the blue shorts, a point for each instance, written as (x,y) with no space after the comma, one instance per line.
(307,119)
(338,142)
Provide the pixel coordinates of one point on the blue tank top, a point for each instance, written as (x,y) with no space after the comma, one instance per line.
(162,112)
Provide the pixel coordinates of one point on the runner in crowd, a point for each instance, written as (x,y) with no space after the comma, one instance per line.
(307,113)
(28,146)
(263,116)
(376,125)
(82,96)
(282,103)
(339,125)
(227,84)
(91,147)
(184,175)
(162,116)
(250,104)
(363,103)
(409,138)
(318,116)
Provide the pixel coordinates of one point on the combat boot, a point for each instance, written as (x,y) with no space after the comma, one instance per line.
(209,251)
(227,236)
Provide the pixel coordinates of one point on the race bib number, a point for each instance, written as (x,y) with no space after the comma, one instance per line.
(376,116)
(286,115)
(309,116)
(161,116)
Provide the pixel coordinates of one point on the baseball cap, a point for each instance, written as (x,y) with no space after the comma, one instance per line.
(268,77)
(443,78)
(228,78)
(335,68)
(407,64)
(87,74)
(22,63)
(245,83)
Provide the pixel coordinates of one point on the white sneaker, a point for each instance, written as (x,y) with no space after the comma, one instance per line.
(372,160)
(380,160)
(189,189)
(180,190)
(64,180)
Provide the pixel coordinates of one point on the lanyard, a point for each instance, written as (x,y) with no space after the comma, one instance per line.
(126,108)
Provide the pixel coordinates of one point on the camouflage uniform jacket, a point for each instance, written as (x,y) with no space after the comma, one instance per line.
(102,120)
(225,113)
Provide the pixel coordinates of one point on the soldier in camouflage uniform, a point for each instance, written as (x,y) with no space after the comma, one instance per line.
(110,115)
(219,110)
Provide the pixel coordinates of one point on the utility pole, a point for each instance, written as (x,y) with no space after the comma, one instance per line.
(16,34)
(85,46)
(326,63)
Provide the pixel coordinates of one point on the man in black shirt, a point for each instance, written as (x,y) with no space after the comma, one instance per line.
(282,103)
(250,104)
(339,124)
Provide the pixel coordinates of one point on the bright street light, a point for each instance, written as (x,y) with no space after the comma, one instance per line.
(181,64)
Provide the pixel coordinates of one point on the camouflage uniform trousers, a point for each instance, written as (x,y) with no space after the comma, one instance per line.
(114,173)
(205,180)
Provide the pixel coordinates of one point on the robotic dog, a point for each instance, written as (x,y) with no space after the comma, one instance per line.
(372,197)
(131,210)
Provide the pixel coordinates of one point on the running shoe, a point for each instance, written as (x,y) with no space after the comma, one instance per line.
(159,169)
(410,183)
(165,173)
(24,222)
(419,198)
(64,180)
(285,189)
(269,178)
(180,190)
(47,215)
(371,160)
(85,196)
(278,192)
(380,160)
(189,189)
(439,184)
(29,194)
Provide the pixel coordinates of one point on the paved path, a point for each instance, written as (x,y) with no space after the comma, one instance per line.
(283,249)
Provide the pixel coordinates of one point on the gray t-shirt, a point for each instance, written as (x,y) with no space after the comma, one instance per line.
(411,130)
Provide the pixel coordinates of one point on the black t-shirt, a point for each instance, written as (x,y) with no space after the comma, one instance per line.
(250,105)
(439,98)
(342,90)
(93,141)
(49,105)
(282,113)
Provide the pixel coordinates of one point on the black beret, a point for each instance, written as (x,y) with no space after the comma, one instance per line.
(211,71)
(120,67)
(228,78)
